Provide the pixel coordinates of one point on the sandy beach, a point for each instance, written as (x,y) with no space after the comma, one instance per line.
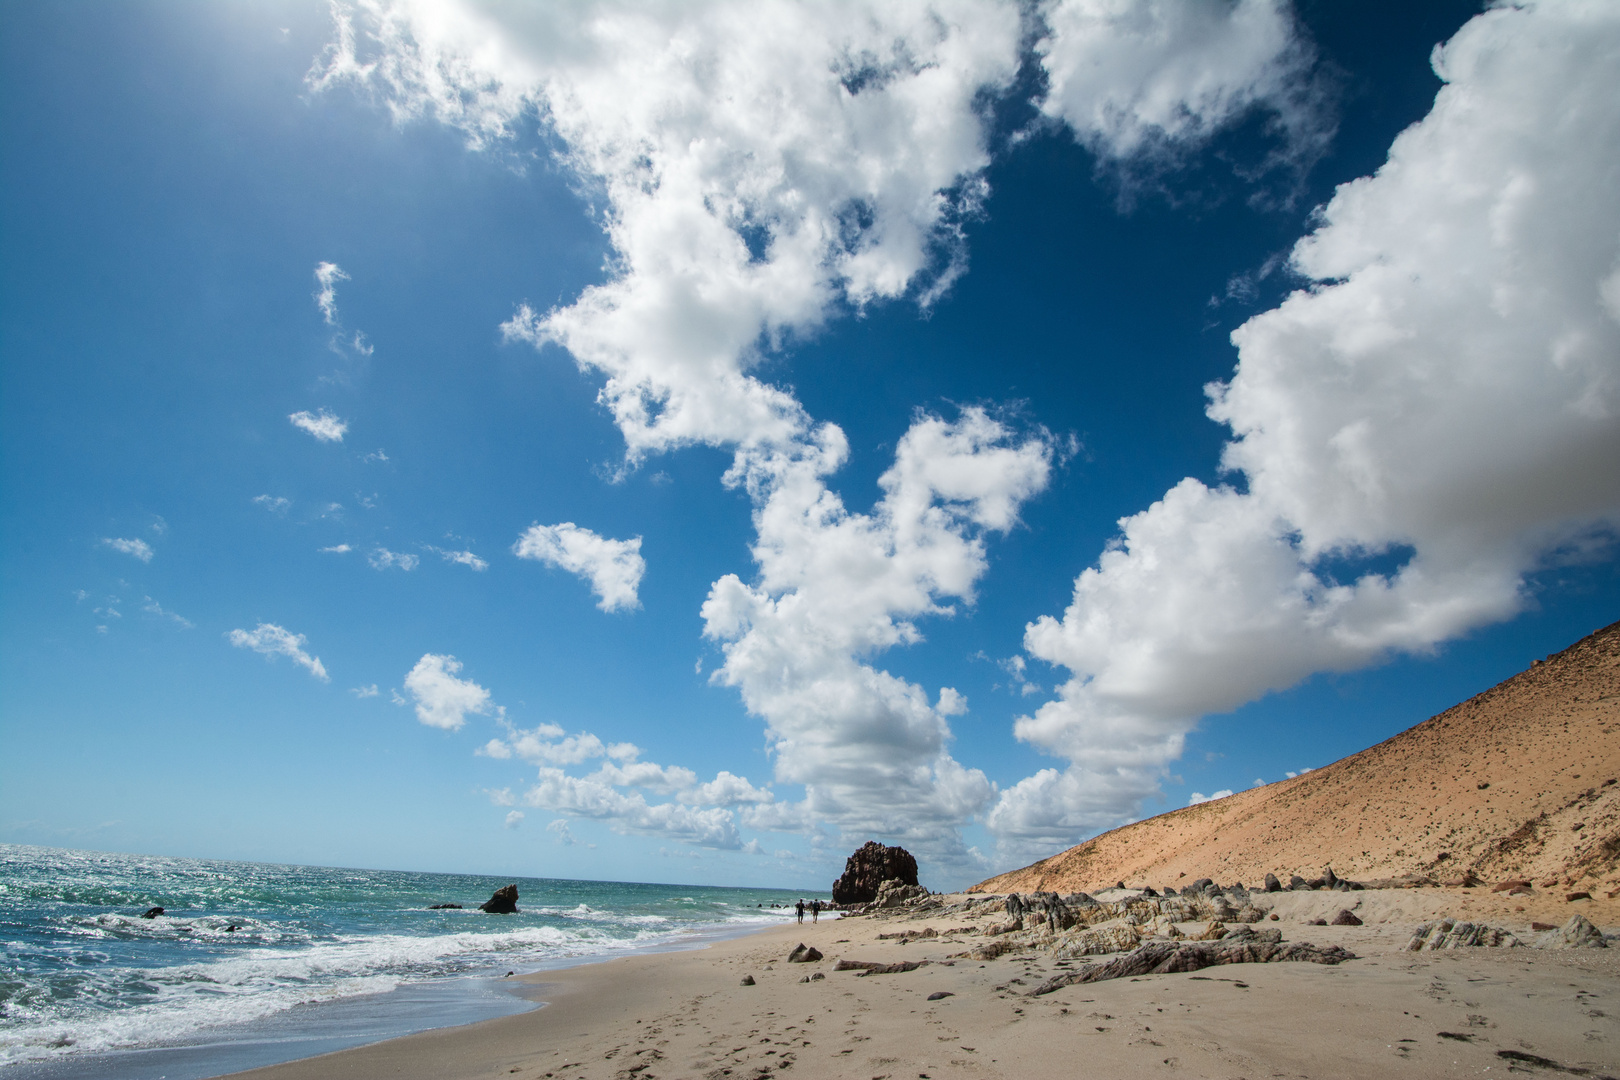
(1390,1012)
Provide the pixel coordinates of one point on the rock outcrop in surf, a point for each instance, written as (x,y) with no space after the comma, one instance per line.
(504,902)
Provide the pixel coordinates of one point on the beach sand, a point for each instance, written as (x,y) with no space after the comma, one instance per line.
(1388,1013)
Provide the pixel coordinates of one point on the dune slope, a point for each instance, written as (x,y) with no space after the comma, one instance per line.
(1516,782)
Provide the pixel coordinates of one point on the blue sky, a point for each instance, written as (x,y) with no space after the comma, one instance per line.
(661,443)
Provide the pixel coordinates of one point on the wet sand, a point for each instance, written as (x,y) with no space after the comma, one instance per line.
(1388,1013)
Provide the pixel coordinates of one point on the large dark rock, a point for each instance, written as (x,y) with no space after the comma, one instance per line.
(504,902)
(869,867)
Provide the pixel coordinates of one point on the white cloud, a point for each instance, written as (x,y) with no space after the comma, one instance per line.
(613,567)
(365,691)
(375,457)
(323,425)
(597,795)
(138,549)
(152,607)
(1296,772)
(761,161)
(463,558)
(591,797)
(1149,79)
(837,587)
(763,164)
(1440,397)
(1199,797)
(327,275)
(159,525)
(273,503)
(514,818)
(558,827)
(273,641)
(337,549)
(442,700)
(381,559)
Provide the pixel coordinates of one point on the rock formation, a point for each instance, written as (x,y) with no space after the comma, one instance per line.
(1457,934)
(869,868)
(1578,933)
(504,902)
(1164,957)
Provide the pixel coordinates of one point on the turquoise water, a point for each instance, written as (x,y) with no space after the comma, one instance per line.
(316,954)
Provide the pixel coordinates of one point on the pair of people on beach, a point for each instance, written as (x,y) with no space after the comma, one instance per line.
(815,910)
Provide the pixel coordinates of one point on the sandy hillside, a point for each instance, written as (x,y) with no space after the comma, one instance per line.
(1517,782)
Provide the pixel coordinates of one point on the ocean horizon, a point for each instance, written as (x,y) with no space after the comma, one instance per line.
(255,963)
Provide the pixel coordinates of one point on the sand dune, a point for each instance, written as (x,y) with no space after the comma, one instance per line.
(1516,782)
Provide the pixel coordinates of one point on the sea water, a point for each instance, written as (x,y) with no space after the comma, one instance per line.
(253,963)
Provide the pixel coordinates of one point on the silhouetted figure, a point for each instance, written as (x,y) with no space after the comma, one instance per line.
(799,907)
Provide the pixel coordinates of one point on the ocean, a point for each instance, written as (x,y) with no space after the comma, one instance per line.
(255,963)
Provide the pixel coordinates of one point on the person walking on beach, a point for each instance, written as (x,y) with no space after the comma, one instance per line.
(815,911)
(800,908)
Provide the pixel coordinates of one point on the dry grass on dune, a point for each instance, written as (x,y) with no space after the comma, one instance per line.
(1516,782)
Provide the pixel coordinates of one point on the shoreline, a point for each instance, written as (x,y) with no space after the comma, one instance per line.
(687,1013)
(319,1029)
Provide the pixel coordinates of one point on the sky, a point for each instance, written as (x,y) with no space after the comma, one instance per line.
(682,441)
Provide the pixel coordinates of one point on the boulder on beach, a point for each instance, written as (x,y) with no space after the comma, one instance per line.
(870,867)
(1346,917)
(804,954)
(504,902)
(1578,933)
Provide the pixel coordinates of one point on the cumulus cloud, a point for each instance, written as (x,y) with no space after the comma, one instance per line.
(137,549)
(835,587)
(272,641)
(443,700)
(323,425)
(1419,428)
(337,549)
(592,797)
(764,165)
(762,162)
(1145,81)
(1199,797)
(365,691)
(558,827)
(514,818)
(613,567)
(381,559)
(327,275)
(700,813)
